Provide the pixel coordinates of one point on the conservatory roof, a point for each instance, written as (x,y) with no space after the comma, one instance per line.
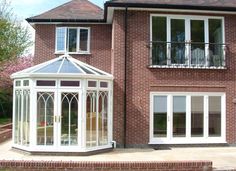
(63,66)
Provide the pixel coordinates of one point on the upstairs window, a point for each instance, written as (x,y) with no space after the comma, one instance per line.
(72,40)
(187,41)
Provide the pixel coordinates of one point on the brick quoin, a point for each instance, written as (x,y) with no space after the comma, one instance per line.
(107,53)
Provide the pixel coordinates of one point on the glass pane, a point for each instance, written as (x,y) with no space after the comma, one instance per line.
(70,83)
(92,83)
(177,41)
(50,68)
(17,133)
(26,117)
(160,116)
(216,40)
(197,114)
(72,40)
(69,118)
(214,116)
(45,83)
(103,118)
(45,118)
(60,38)
(68,67)
(159,41)
(197,42)
(83,40)
(91,119)
(18,83)
(26,83)
(179,116)
(104,84)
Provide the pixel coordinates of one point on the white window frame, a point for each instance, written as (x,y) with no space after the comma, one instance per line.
(187,19)
(78,51)
(188,139)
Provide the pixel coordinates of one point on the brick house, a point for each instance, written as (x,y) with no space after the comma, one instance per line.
(172,62)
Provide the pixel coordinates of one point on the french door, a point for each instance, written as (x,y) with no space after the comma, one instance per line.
(181,118)
(58,114)
(187,39)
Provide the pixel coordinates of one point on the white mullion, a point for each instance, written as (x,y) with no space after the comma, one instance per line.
(88,40)
(223,117)
(206,31)
(69,124)
(188,116)
(168,37)
(151,117)
(67,41)
(45,117)
(188,39)
(19,115)
(22,116)
(78,40)
(97,116)
(169,117)
(26,117)
(206,116)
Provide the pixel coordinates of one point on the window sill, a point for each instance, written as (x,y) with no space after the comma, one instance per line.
(73,53)
(186,67)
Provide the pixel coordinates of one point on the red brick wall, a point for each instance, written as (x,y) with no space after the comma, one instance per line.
(105,166)
(142,80)
(100,45)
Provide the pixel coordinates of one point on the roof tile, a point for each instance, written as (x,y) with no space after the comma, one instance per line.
(75,9)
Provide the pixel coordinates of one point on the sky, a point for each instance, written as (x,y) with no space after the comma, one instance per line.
(27,8)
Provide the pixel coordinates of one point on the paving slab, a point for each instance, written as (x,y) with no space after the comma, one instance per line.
(223,158)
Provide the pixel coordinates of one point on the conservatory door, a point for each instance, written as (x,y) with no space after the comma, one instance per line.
(57,119)
(68,118)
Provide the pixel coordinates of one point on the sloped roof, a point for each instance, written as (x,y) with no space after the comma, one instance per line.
(205,3)
(72,10)
(63,66)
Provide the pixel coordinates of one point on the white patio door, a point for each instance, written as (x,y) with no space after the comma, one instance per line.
(187,118)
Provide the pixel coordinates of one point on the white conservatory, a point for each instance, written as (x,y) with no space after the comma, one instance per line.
(62,105)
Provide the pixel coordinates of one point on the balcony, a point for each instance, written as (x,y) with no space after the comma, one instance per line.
(187,55)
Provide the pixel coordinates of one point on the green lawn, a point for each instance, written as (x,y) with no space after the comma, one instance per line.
(5,120)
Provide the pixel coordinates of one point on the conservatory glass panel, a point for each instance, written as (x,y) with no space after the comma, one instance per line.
(26,83)
(91,119)
(103,118)
(70,83)
(69,118)
(26,117)
(50,68)
(45,118)
(17,132)
(68,67)
(45,83)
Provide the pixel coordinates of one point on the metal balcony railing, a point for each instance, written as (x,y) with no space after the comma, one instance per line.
(187,54)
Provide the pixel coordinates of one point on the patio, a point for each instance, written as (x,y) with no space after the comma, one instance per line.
(223,158)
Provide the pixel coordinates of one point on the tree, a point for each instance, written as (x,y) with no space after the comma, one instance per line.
(14,38)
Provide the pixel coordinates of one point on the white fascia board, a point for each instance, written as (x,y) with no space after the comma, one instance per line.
(177,10)
(69,75)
